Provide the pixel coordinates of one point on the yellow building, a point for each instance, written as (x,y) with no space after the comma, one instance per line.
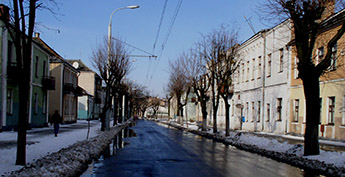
(332,85)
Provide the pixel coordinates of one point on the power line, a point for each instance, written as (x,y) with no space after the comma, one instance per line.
(156,38)
(151,55)
(177,9)
(160,24)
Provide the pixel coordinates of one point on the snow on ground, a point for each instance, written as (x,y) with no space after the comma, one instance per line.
(44,145)
(270,147)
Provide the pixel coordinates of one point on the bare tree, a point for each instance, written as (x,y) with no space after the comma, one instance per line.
(111,71)
(177,85)
(308,19)
(229,63)
(194,68)
(20,24)
(154,105)
(214,47)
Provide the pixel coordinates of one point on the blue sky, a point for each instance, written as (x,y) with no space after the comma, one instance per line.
(82,25)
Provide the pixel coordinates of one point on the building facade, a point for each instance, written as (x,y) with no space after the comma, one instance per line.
(65,96)
(40,84)
(332,82)
(89,104)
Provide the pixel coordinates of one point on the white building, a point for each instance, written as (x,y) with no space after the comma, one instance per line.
(261,84)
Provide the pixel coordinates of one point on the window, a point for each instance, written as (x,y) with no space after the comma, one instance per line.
(9,109)
(36,66)
(66,110)
(10,52)
(281,59)
(44,68)
(268,112)
(238,76)
(243,72)
(233,108)
(320,111)
(333,58)
(279,109)
(35,103)
(320,54)
(296,110)
(296,69)
(331,106)
(253,70)
(259,112)
(269,65)
(247,78)
(253,112)
(44,104)
(259,67)
(343,111)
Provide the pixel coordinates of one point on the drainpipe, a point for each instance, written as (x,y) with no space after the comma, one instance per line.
(3,78)
(30,93)
(263,35)
(47,92)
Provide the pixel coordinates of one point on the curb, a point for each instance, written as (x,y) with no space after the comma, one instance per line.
(289,158)
(73,160)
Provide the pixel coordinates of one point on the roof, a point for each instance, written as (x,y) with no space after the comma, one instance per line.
(81,67)
(57,56)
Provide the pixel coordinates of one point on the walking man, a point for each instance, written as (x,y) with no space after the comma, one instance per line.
(56,120)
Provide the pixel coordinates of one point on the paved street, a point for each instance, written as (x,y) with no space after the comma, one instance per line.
(163,151)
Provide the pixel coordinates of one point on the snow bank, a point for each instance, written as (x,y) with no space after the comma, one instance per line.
(73,160)
(328,163)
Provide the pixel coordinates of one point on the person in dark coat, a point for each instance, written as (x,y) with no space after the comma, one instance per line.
(56,120)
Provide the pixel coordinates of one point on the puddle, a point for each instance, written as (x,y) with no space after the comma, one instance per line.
(111,150)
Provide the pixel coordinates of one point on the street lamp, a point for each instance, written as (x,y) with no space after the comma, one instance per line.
(109,42)
(109,26)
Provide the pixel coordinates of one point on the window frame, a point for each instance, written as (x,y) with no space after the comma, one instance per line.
(9,101)
(279,109)
(331,110)
(296,110)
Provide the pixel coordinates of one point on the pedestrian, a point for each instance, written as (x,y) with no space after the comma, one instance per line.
(56,120)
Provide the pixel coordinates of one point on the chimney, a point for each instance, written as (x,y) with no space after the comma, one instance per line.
(329,9)
(37,35)
(4,13)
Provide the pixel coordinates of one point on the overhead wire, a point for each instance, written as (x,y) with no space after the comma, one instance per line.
(156,38)
(177,9)
(151,55)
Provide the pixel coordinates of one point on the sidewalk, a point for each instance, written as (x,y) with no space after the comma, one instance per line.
(325,144)
(41,142)
(330,162)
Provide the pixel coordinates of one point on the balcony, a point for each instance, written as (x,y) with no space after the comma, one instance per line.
(79,92)
(12,72)
(68,88)
(48,83)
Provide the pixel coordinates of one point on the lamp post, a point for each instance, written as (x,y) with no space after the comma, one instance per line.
(109,26)
(109,45)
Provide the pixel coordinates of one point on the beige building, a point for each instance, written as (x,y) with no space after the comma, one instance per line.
(89,104)
(65,96)
(332,85)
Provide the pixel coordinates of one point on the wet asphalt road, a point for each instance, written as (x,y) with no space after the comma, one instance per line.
(164,151)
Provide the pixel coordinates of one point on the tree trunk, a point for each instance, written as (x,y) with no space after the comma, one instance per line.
(103,115)
(116,107)
(178,109)
(312,95)
(121,108)
(22,123)
(227,116)
(204,116)
(126,107)
(215,130)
